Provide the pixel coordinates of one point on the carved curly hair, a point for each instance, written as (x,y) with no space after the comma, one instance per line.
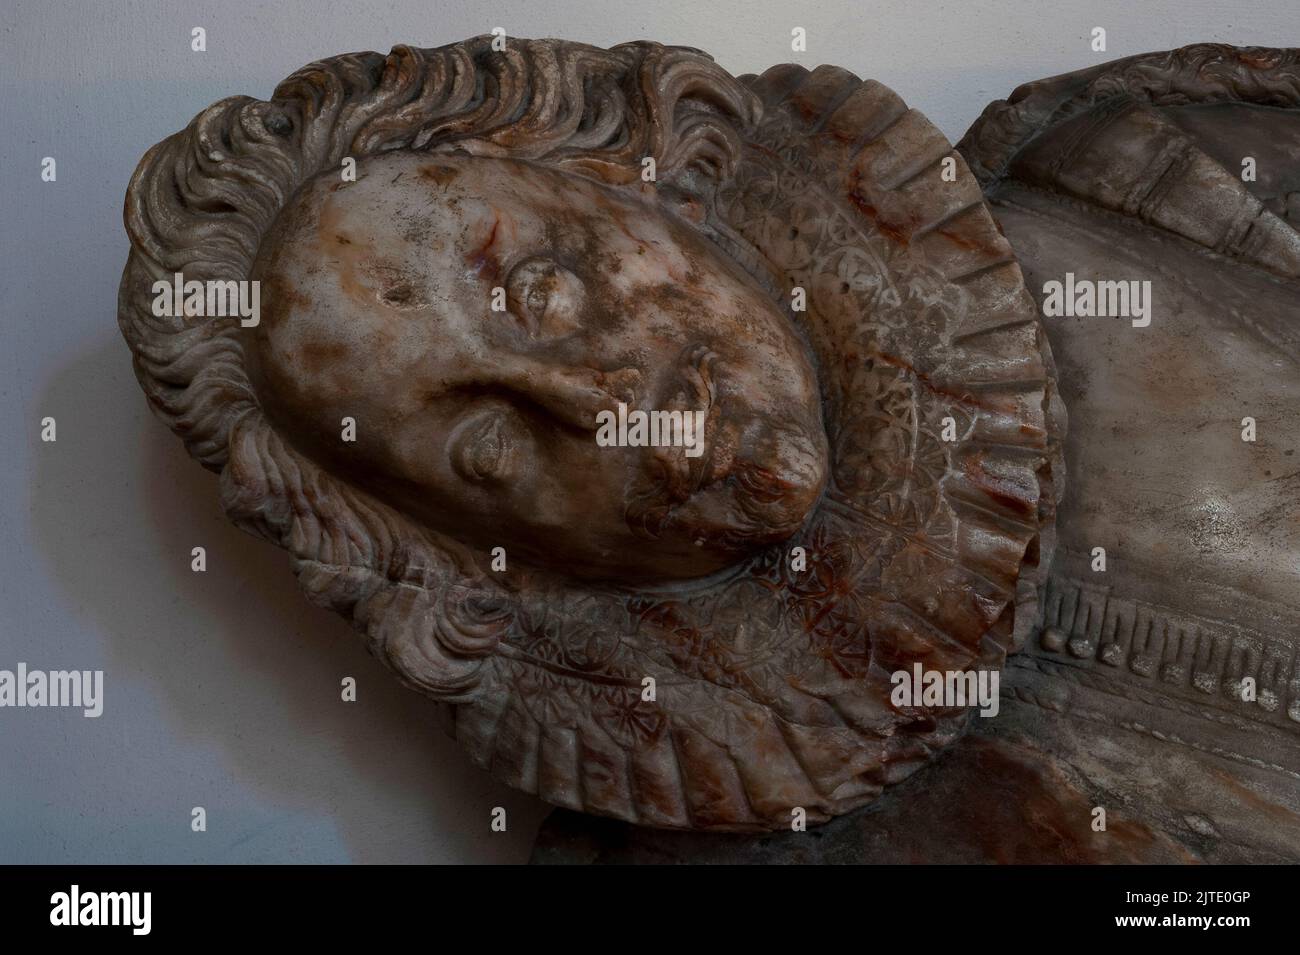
(200,202)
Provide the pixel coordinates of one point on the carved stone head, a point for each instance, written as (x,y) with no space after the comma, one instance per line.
(477,268)
(481,423)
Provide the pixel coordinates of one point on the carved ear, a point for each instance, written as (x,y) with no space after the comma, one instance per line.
(435,641)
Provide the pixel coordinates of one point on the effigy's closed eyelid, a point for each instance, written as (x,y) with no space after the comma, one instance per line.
(484,446)
(545,297)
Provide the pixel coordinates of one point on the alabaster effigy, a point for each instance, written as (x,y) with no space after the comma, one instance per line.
(1170,679)
(475,265)
(1162,683)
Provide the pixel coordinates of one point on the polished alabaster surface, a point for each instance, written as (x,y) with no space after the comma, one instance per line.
(470,258)
(482,423)
(1172,679)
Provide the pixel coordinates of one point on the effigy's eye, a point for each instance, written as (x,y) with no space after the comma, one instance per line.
(545,297)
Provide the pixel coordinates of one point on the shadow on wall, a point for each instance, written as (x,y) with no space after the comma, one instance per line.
(238,659)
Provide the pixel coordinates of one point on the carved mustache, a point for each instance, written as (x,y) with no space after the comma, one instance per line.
(695,390)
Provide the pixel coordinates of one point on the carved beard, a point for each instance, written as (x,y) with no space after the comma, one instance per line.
(767,465)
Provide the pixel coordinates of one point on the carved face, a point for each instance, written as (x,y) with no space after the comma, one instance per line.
(476,316)
(477,426)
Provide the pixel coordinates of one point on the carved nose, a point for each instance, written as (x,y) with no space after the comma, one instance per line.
(572,393)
